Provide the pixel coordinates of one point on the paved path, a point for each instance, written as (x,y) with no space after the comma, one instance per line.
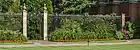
(46,43)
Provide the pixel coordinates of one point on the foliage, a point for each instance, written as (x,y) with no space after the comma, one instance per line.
(119,35)
(32,5)
(15,22)
(102,27)
(90,27)
(13,36)
(11,22)
(38,5)
(10,6)
(76,6)
(131,29)
(136,24)
(34,26)
(15,6)
(70,30)
(35,9)
(4,5)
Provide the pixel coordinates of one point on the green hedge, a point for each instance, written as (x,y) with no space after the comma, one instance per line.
(137,27)
(89,27)
(11,22)
(11,36)
(34,26)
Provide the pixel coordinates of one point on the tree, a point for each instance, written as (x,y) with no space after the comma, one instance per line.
(32,5)
(4,5)
(37,5)
(34,8)
(76,6)
(15,7)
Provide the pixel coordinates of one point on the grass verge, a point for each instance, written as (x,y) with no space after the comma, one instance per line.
(99,47)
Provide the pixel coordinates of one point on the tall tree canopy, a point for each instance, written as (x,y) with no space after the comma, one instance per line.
(5,4)
(76,6)
(66,6)
(15,6)
(32,5)
(37,5)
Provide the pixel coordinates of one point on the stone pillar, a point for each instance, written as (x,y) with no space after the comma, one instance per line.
(123,20)
(25,21)
(45,23)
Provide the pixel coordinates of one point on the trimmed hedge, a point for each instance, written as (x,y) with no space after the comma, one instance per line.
(11,22)
(90,27)
(11,36)
(137,31)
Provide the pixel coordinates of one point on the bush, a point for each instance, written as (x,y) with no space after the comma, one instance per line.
(119,35)
(11,22)
(83,28)
(70,30)
(34,26)
(102,27)
(137,29)
(131,29)
(12,36)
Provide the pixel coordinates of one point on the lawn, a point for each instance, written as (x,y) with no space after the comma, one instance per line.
(103,47)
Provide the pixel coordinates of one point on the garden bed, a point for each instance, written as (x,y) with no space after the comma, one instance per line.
(14,43)
(93,41)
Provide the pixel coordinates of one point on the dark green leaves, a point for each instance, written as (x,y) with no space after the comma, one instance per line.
(32,5)
(76,6)
(82,28)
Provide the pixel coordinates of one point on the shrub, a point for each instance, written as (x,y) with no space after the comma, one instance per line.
(83,28)
(11,22)
(12,36)
(34,26)
(137,29)
(131,29)
(103,27)
(119,35)
(70,30)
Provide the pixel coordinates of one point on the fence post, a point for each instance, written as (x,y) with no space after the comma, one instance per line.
(45,23)
(24,21)
(123,20)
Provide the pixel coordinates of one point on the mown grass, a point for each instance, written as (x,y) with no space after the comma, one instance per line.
(99,47)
